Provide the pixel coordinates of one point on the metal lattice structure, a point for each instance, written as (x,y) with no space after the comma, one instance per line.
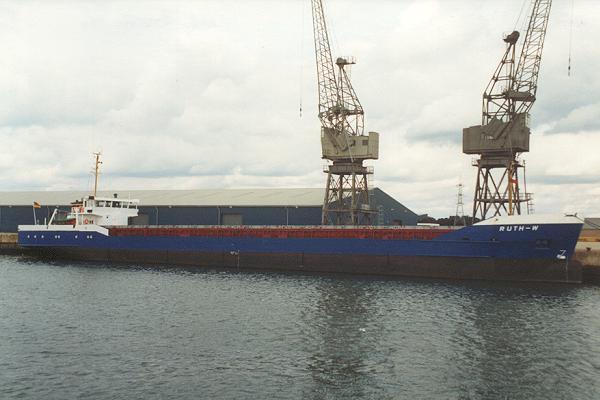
(525,87)
(504,131)
(459,216)
(343,140)
(325,71)
(347,195)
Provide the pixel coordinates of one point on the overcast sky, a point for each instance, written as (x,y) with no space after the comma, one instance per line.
(207,94)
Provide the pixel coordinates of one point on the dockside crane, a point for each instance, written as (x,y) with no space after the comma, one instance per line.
(343,141)
(504,131)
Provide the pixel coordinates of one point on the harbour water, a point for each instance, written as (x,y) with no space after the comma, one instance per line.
(93,331)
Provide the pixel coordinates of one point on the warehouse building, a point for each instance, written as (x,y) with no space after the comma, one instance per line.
(202,207)
(591,224)
(591,230)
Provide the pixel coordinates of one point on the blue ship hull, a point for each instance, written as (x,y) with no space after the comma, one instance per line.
(523,251)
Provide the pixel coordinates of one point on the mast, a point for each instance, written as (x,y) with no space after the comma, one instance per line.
(96,171)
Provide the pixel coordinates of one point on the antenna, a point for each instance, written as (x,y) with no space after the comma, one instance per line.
(460,210)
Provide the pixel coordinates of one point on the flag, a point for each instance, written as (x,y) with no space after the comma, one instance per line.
(36,205)
(513,180)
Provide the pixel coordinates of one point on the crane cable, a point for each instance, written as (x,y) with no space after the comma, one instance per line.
(520,14)
(301,59)
(521,24)
(571,37)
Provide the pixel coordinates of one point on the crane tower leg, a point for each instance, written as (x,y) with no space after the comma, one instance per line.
(347,199)
(497,190)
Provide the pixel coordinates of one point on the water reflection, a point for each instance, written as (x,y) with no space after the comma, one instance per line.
(341,333)
(266,335)
(511,332)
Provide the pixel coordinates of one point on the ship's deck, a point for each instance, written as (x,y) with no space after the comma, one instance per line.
(283,232)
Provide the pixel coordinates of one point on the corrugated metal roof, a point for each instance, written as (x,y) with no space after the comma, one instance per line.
(200,197)
(592,223)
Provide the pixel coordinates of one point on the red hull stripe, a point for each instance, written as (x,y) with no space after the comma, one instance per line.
(284,233)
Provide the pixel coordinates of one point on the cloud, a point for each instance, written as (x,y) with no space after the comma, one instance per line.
(207,94)
(583,119)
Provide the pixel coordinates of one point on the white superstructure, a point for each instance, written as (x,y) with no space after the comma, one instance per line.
(105,211)
(91,214)
(541,219)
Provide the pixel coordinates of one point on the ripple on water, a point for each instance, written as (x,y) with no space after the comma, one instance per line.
(77,330)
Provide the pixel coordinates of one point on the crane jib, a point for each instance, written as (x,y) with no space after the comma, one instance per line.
(504,131)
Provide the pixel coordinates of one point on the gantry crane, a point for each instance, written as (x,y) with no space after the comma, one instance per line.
(504,131)
(343,141)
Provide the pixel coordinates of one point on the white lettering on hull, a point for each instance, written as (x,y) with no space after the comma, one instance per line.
(517,228)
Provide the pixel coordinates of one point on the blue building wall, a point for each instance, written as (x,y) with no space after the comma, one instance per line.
(391,212)
(11,216)
(213,215)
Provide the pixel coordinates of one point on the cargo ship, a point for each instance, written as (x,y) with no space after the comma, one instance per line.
(517,248)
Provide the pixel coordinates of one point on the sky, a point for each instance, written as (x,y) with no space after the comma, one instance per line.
(207,94)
